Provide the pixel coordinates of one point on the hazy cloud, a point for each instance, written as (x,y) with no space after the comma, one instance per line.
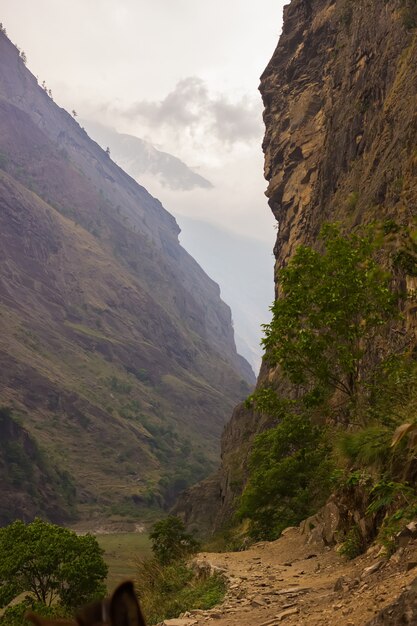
(191,107)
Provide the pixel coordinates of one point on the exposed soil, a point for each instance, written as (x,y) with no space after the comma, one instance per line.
(289,580)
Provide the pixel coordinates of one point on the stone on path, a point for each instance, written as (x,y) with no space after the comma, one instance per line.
(185,621)
(287,613)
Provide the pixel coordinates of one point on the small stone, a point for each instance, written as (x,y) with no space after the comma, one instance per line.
(269,622)
(293,590)
(338,586)
(180,622)
(287,613)
(372,568)
(397,556)
(411,565)
(257,602)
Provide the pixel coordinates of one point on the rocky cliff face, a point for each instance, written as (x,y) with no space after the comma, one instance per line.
(115,348)
(340,95)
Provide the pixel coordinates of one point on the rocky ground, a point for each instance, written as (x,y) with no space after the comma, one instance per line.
(296,582)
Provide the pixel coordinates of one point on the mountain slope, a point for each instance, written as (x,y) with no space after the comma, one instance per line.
(115,348)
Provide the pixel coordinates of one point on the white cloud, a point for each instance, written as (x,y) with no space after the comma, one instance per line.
(191,121)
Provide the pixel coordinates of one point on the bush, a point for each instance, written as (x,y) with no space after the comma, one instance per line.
(171,542)
(289,476)
(353,545)
(166,591)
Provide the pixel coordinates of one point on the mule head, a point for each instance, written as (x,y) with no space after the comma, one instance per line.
(121,609)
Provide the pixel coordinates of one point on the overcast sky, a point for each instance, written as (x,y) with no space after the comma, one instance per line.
(181,73)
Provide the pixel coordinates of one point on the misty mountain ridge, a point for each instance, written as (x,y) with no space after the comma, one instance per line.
(138,157)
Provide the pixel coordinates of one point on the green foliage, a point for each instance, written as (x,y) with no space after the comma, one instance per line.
(119,386)
(370,446)
(14,615)
(392,390)
(289,475)
(385,492)
(406,260)
(24,466)
(166,591)
(353,545)
(51,563)
(330,306)
(394,523)
(390,226)
(352,200)
(170,541)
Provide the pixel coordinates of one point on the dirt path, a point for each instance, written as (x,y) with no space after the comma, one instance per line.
(289,581)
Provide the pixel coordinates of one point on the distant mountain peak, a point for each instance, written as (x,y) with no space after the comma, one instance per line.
(138,157)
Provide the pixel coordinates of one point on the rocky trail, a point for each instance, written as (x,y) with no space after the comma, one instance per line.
(296,582)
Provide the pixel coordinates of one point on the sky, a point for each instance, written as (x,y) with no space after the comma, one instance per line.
(182,74)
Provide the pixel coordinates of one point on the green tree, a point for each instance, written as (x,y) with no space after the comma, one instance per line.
(170,541)
(51,563)
(331,305)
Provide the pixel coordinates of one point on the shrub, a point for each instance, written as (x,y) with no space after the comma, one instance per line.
(166,591)
(289,476)
(170,541)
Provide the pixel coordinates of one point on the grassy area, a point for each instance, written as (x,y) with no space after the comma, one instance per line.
(121,552)
(166,591)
